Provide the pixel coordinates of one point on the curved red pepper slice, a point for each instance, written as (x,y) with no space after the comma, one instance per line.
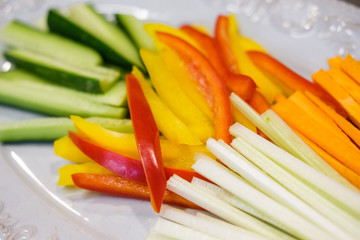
(208,80)
(291,79)
(120,186)
(240,84)
(124,166)
(147,141)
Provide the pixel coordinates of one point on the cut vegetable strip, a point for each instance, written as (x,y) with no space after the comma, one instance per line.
(119,164)
(347,173)
(147,141)
(298,119)
(171,93)
(120,186)
(291,79)
(256,198)
(345,125)
(334,191)
(223,209)
(169,124)
(346,82)
(208,81)
(329,84)
(282,137)
(65,148)
(351,67)
(214,227)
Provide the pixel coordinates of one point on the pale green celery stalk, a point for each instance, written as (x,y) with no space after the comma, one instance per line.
(308,195)
(279,139)
(218,229)
(222,209)
(335,192)
(293,223)
(299,148)
(177,231)
(152,235)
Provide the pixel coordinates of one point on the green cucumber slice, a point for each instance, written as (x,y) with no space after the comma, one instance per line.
(85,25)
(20,35)
(135,30)
(115,96)
(54,103)
(45,129)
(94,79)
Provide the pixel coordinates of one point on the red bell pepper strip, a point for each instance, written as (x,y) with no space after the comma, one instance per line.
(291,79)
(147,141)
(120,186)
(240,84)
(124,166)
(223,41)
(258,103)
(208,81)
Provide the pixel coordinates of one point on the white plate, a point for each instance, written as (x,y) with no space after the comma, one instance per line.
(302,34)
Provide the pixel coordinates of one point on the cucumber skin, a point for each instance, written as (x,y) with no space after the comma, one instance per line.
(50,103)
(59,77)
(59,24)
(49,129)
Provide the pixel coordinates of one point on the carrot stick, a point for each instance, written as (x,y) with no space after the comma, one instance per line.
(345,125)
(344,171)
(346,82)
(303,123)
(120,186)
(335,62)
(351,67)
(330,85)
(318,115)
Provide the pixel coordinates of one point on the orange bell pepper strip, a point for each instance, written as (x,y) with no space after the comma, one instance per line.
(336,91)
(169,124)
(171,93)
(291,79)
(174,155)
(121,165)
(240,84)
(147,140)
(120,186)
(208,80)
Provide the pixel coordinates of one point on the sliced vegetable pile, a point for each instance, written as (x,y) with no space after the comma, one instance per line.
(216,124)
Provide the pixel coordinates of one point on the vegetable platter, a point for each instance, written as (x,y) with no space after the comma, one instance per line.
(33,206)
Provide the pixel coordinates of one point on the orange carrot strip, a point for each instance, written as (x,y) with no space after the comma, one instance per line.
(346,82)
(335,62)
(318,115)
(344,171)
(351,67)
(330,85)
(302,122)
(345,125)
(291,79)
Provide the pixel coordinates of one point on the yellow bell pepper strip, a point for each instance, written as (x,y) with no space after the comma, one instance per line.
(291,79)
(179,71)
(65,148)
(66,171)
(174,155)
(169,124)
(147,141)
(239,46)
(208,82)
(123,166)
(120,186)
(152,28)
(170,92)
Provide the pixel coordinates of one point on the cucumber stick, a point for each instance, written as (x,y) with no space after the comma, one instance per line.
(93,79)
(115,96)
(22,36)
(85,25)
(54,103)
(45,129)
(135,30)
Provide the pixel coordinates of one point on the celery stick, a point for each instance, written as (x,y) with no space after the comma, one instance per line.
(225,178)
(45,129)
(222,209)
